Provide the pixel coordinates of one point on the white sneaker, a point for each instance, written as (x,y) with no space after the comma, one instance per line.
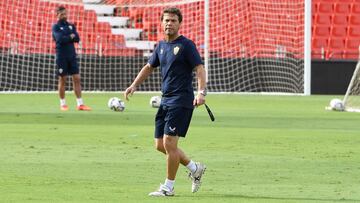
(163,192)
(196,176)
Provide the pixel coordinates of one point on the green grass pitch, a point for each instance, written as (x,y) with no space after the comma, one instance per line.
(259,149)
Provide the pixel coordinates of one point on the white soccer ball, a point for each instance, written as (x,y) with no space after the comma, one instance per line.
(155,101)
(116,104)
(337,105)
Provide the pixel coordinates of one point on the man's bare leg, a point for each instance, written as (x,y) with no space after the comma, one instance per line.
(173,156)
(61,86)
(61,90)
(159,143)
(77,85)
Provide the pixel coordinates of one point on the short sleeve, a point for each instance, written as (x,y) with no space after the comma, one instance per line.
(154,58)
(192,55)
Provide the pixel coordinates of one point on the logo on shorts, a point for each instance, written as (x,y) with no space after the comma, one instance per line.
(70,27)
(161,51)
(176,50)
(60,70)
(172,129)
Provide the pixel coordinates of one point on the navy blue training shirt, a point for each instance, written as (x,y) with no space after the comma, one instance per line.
(64,44)
(176,59)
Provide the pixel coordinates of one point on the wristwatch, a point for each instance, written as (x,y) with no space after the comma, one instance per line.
(203,92)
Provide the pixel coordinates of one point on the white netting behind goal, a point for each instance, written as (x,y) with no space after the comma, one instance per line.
(257,45)
(352,97)
(254,45)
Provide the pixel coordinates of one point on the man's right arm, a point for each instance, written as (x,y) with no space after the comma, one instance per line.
(143,74)
(59,36)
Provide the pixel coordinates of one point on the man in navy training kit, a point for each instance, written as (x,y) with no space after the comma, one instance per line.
(177,57)
(65,35)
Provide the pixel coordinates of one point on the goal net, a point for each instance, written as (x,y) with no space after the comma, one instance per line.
(257,46)
(352,96)
(251,46)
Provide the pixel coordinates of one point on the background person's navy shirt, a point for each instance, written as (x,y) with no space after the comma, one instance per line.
(176,59)
(64,44)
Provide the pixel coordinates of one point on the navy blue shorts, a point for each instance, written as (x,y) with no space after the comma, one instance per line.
(172,121)
(67,66)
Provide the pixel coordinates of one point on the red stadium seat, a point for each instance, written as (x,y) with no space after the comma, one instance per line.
(351,54)
(323,19)
(102,27)
(136,17)
(354,31)
(325,7)
(125,12)
(342,7)
(150,30)
(89,37)
(322,31)
(336,48)
(336,43)
(319,47)
(352,48)
(4,42)
(352,43)
(340,19)
(117,40)
(355,8)
(90,16)
(354,20)
(320,42)
(152,15)
(314,7)
(88,48)
(339,31)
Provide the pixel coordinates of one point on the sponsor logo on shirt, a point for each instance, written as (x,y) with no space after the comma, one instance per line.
(172,129)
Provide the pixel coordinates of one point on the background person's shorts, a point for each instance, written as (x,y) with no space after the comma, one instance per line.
(67,66)
(172,121)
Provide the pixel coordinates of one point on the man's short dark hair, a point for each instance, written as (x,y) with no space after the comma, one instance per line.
(174,11)
(60,9)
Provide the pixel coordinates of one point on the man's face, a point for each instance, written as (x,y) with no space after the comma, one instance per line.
(62,15)
(170,24)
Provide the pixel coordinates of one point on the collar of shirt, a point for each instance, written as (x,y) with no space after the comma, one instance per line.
(62,22)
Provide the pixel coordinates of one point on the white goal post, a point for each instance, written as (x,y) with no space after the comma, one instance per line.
(252,46)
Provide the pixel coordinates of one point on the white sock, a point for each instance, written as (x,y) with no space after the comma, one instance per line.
(79,101)
(191,166)
(169,183)
(62,102)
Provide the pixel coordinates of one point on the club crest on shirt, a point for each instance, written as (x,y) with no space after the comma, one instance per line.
(70,27)
(176,50)
(61,28)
